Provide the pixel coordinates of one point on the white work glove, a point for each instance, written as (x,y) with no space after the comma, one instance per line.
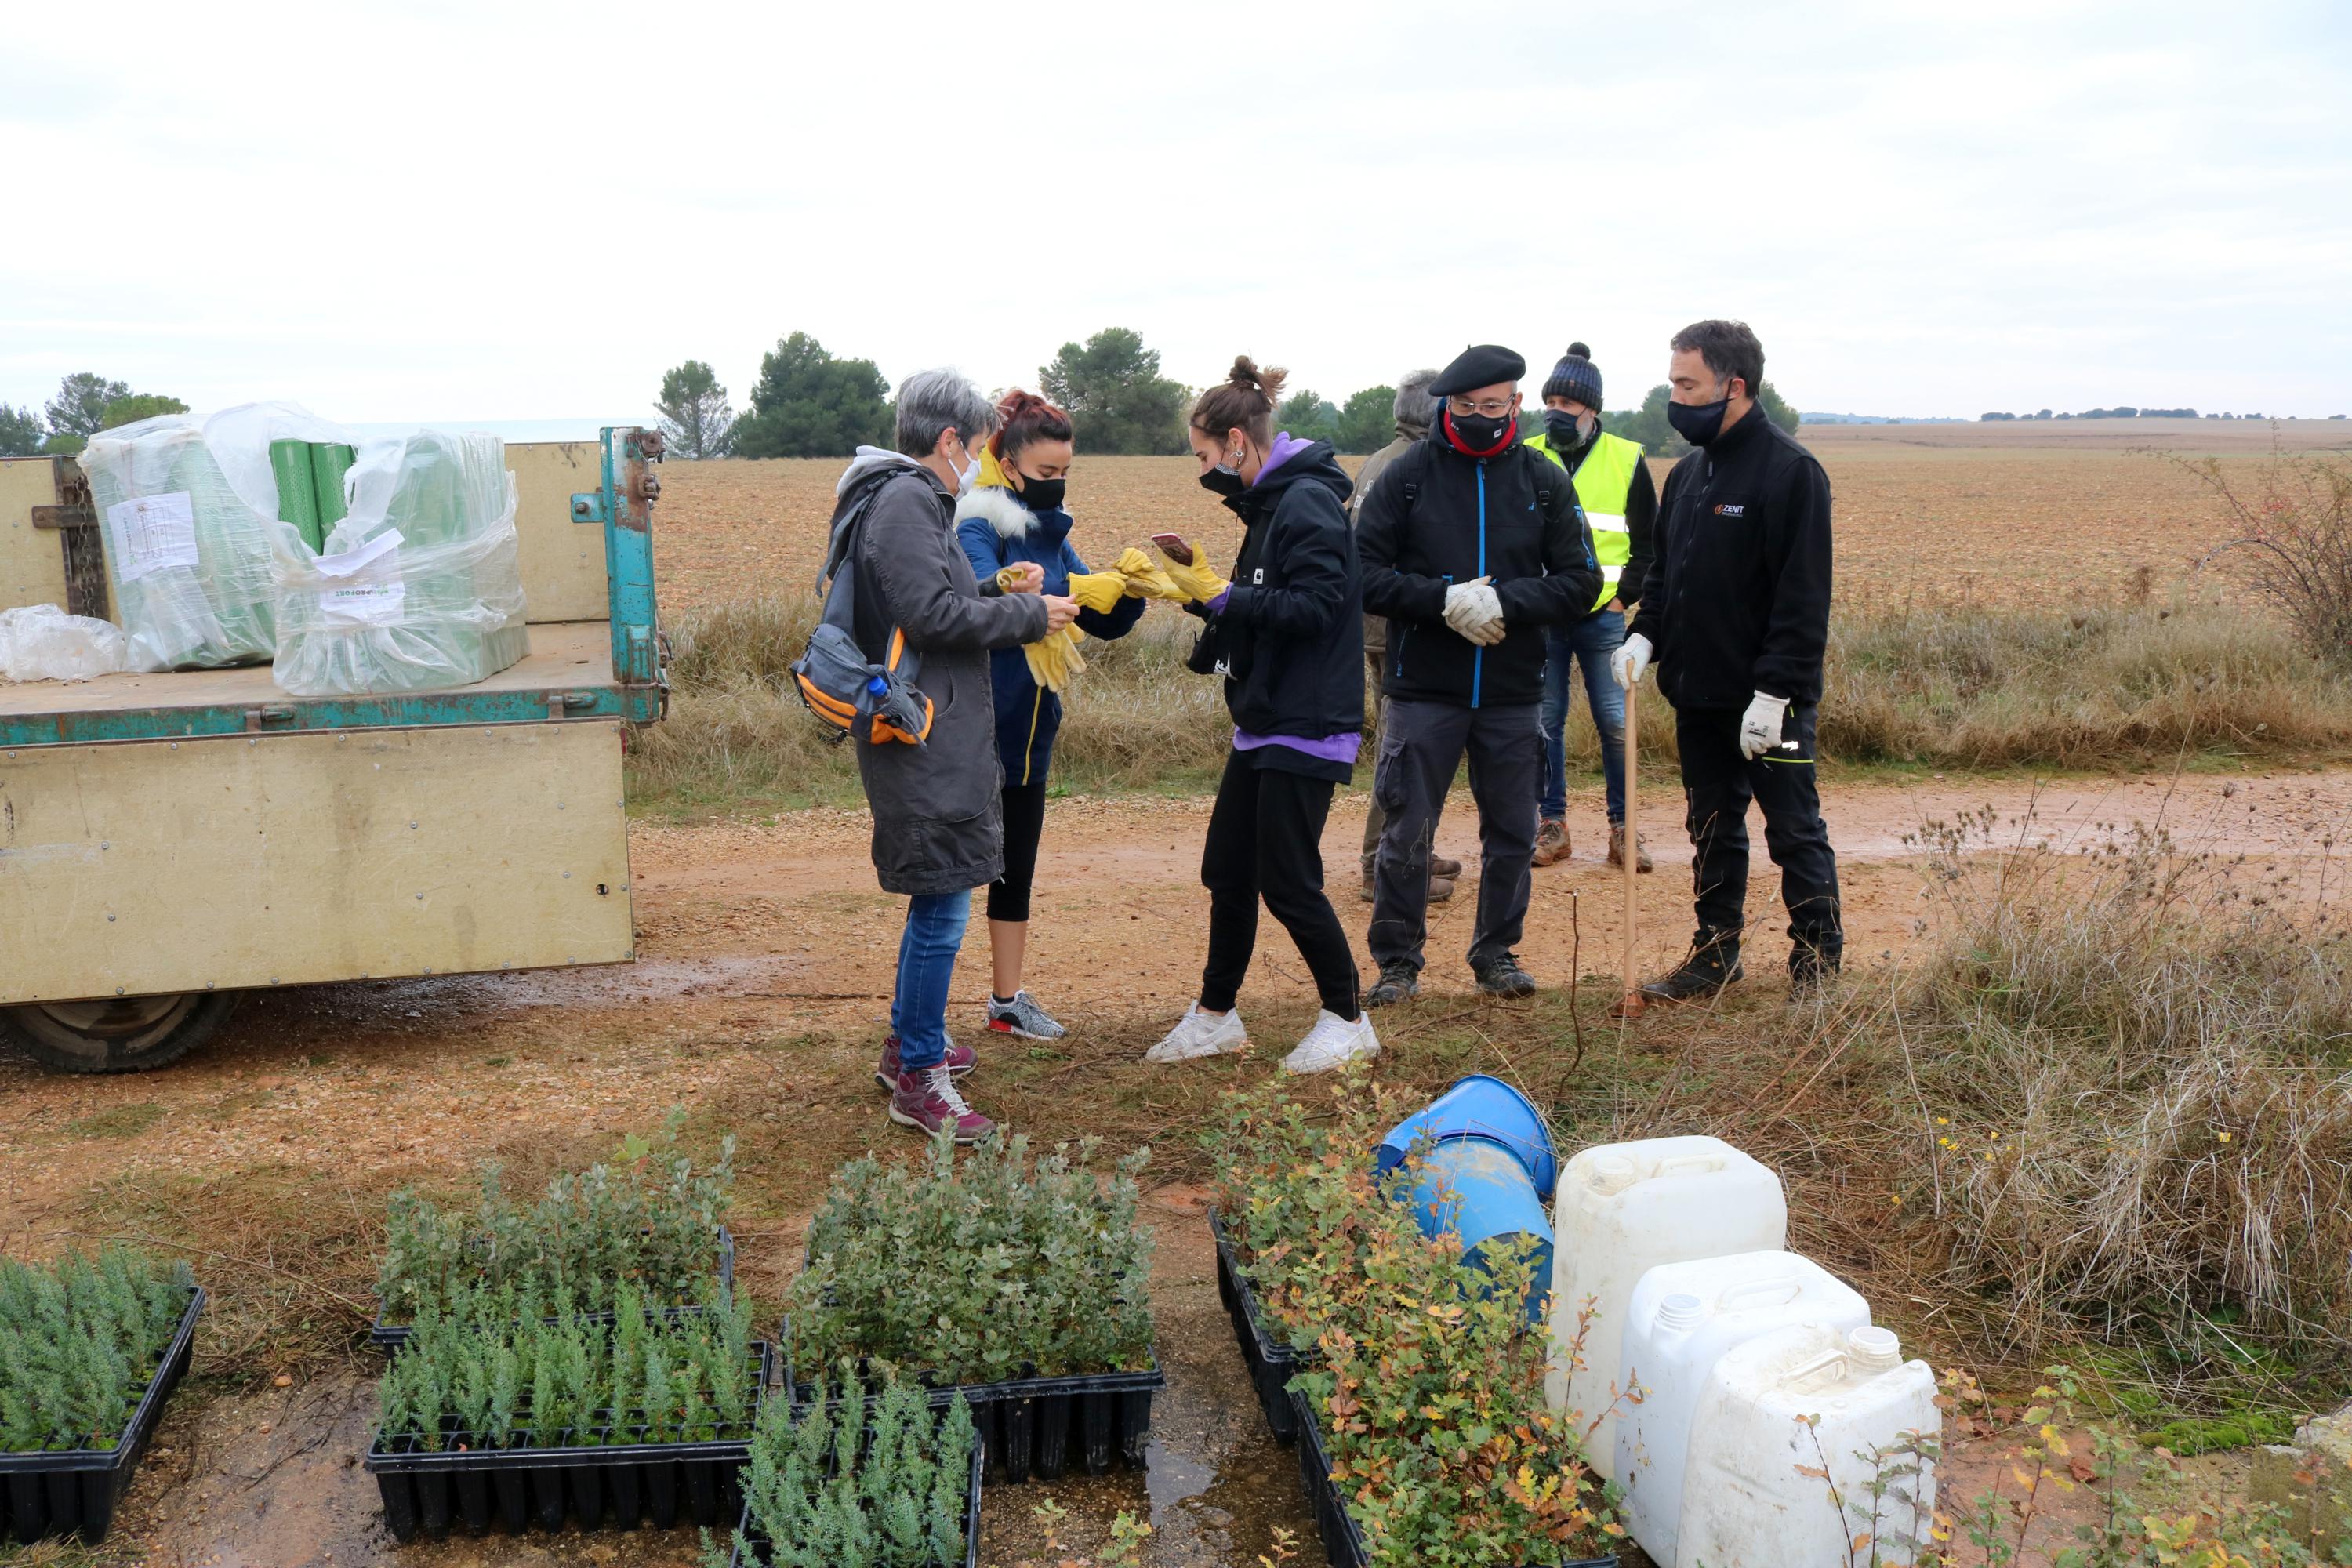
(1760,727)
(1631,660)
(1476,611)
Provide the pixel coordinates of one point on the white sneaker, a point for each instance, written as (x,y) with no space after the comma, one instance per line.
(1332,1041)
(1199,1033)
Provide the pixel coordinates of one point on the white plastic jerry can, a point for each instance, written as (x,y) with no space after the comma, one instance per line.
(1814,1398)
(1681,1321)
(1620,1210)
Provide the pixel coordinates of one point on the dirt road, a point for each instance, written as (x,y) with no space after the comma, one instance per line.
(766,954)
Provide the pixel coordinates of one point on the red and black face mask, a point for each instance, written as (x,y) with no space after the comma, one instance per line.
(1476,436)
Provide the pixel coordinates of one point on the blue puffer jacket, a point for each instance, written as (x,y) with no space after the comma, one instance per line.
(997,530)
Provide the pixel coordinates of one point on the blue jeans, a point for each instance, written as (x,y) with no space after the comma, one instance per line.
(926,959)
(1590,642)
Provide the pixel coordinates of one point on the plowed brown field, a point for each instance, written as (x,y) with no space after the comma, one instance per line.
(1998,513)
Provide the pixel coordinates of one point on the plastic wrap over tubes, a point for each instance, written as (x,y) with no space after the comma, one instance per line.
(189,560)
(419,588)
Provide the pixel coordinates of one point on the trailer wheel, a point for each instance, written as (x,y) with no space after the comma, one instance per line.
(127,1034)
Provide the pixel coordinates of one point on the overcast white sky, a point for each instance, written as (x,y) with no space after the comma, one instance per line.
(476,211)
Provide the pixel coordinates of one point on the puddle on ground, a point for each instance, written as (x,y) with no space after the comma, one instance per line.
(1217,1485)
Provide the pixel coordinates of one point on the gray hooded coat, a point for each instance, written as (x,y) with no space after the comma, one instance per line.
(939,823)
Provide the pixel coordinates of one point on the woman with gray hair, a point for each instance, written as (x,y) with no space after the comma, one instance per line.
(938,828)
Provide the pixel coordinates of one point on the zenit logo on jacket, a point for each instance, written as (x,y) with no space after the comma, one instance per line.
(1739,596)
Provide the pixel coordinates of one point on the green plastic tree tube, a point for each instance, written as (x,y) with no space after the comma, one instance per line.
(297,493)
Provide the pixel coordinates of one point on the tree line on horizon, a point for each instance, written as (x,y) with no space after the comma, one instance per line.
(85,405)
(809,403)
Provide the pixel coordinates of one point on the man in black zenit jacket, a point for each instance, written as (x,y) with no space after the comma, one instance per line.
(1736,612)
(1471,545)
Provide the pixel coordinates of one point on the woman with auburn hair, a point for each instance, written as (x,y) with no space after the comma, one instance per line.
(1013,517)
(1287,635)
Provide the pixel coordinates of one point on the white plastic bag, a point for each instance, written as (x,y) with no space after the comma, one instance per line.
(188,558)
(41,642)
(419,588)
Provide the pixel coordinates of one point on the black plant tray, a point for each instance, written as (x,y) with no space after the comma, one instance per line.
(757,1556)
(72,1491)
(427,1493)
(1272,1364)
(1343,1543)
(392,1336)
(1030,1426)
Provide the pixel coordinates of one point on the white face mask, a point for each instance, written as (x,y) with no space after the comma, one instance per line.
(966,473)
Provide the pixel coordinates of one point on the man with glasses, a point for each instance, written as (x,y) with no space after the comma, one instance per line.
(1471,545)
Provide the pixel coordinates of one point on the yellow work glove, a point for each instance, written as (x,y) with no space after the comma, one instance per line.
(1009,579)
(1053,658)
(1099,591)
(1200,583)
(1145,580)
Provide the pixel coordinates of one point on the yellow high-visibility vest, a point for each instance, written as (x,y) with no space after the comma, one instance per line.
(1603,482)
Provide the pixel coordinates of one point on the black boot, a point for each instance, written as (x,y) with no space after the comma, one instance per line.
(1398,982)
(1713,964)
(1812,972)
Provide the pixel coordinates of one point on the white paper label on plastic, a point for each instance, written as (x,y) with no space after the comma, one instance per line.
(151,534)
(375,602)
(367,554)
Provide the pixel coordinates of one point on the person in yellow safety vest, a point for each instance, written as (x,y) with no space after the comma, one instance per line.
(1621,502)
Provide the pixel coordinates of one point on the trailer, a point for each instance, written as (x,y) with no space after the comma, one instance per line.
(171,843)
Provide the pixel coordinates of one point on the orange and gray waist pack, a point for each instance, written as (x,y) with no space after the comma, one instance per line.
(852,694)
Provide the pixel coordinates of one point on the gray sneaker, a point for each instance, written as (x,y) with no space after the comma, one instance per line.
(1024,1017)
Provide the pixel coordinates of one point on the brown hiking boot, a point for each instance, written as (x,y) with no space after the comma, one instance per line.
(1441,883)
(1439,866)
(927,1101)
(1617,850)
(1552,842)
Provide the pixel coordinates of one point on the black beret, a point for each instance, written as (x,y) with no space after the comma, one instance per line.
(1481,364)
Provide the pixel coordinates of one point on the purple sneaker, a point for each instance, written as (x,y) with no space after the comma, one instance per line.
(961,1059)
(928,1102)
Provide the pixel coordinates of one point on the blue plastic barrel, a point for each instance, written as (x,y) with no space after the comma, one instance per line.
(1487,1175)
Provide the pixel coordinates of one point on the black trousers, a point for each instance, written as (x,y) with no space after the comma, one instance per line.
(1025,824)
(1718,784)
(1265,840)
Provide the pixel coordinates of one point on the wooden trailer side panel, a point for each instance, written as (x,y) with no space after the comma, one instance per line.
(162,866)
(562,558)
(32,560)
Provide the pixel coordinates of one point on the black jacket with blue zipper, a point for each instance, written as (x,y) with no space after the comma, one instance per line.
(1438,517)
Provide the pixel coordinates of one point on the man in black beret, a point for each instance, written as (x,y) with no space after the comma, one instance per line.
(1470,545)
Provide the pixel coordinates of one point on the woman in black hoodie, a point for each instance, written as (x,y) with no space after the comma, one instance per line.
(1286,633)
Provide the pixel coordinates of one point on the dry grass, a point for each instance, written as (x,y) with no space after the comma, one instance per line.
(1964,688)
(1946,687)
(2143,1065)
(2106,1118)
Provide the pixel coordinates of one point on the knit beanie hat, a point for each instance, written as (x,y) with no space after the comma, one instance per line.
(1576,376)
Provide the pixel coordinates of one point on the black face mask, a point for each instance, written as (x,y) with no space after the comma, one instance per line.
(1699,423)
(1562,427)
(1478,433)
(1042,495)
(1225,479)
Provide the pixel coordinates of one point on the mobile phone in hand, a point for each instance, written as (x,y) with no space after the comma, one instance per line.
(1174,547)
